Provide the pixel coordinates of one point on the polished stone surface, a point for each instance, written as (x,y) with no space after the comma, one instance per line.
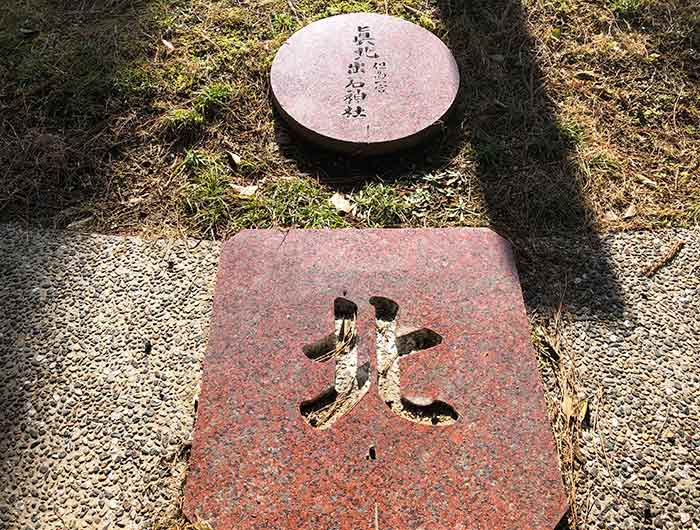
(364,83)
(258,463)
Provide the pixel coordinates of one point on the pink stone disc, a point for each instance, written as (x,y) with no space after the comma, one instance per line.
(364,83)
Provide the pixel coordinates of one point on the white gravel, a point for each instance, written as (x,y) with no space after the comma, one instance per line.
(95,423)
(637,357)
(101,340)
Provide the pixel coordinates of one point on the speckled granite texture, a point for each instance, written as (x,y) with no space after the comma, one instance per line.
(256,464)
(364,83)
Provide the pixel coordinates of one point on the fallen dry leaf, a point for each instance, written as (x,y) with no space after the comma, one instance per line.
(631,211)
(582,411)
(246,191)
(611,216)
(646,181)
(568,405)
(168,45)
(341,203)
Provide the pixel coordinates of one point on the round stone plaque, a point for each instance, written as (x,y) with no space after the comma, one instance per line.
(364,83)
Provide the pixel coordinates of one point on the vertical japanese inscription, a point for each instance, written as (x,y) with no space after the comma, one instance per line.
(380,76)
(364,71)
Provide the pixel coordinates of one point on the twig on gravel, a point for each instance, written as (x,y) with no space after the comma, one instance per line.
(63,522)
(604,452)
(566,406)
(652,269)
(663,425)
(600,443)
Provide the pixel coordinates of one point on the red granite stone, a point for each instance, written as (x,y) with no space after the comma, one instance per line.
(257,464)
(364,83)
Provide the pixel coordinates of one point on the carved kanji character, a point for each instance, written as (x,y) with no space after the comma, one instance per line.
(352,382)
(354,84)
(356,67)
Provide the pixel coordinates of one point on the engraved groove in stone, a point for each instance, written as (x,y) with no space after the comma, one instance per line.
(351,382)
(390,349)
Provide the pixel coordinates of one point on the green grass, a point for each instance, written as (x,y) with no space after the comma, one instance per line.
(381,205)
(207,193)
(209,201)
(183,121)
(604,163)
(693,213)
(213,98)
(627,8)
(295,202)
(316,10)
(283,23)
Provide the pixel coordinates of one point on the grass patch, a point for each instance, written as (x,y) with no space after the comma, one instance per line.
(693,213)
(207,195)
(183,121)
(283,23)
(381,205)
(493,154)
(554,141)
(295,202)
(627,8)
(560,119)
(604,162)
(213,98)
(316,10)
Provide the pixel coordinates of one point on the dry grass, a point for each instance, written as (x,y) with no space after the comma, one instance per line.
(572,115)
(568,410)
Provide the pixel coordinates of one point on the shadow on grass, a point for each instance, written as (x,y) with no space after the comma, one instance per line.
(524,158)
(60,101)
(343,171)
(519,154)
(531,185)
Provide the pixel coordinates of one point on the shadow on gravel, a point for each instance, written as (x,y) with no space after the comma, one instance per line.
(24,293)
(504,123)
(59,63)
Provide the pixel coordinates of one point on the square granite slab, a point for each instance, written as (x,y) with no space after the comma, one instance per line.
(371,379)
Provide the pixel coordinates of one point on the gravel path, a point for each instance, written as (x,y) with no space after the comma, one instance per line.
(101,340)
(637,361)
